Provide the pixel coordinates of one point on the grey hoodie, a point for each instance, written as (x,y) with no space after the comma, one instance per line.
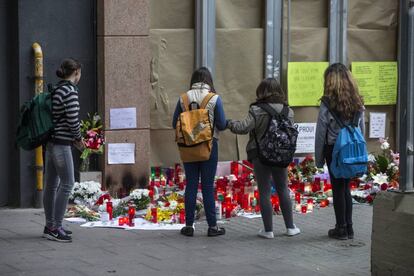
(257,119)
(327,130)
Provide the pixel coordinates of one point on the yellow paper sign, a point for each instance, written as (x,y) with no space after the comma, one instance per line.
(377,81)
(305,83)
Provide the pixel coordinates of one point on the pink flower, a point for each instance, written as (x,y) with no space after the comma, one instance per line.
(91,133)
(395,158)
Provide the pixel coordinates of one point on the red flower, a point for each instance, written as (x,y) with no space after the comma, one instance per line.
(369,199)
(367,186)
(384,187)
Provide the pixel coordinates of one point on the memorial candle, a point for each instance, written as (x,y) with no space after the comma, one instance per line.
(310,204)
(304,209)
(182,216)
(297,197)
(109,209)
(154,214)
(131,214)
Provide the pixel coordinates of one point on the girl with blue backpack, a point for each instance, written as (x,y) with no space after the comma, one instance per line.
(339,141)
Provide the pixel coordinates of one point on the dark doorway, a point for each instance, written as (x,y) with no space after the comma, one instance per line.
(63,29)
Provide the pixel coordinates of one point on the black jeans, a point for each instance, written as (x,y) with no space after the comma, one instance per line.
(342,199)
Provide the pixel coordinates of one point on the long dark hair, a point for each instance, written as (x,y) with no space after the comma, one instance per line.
(203,75)
(270,91)
(341,91)
(68,67)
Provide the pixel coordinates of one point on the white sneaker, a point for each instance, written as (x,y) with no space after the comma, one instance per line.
(265,235)
(292,231)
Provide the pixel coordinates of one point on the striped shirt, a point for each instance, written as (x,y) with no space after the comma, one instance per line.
(65,110)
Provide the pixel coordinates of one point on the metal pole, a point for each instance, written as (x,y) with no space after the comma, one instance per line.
(205,34)
(338,21)
(406,95)
(273,51)
(38,72)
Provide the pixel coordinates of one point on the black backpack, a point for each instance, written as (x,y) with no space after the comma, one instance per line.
(278,145)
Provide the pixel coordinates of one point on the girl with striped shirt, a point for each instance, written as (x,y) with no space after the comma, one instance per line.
(59,175)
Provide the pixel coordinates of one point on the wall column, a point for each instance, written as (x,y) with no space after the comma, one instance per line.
(124,82)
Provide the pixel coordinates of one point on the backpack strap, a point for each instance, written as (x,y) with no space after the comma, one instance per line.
(355,121)
(337,119)
(186,102)
(206,100)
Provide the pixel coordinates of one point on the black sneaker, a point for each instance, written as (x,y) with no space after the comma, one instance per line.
(187,231)
(350,231)
(67,232)
(56,235)
(216,231)
(339,233)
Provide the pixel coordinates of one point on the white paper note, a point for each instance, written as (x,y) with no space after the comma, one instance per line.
(377,124)
(306,138)
(121,153)
(123,118)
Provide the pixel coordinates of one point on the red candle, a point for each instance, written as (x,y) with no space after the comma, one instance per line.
(256,194)
(154,214)
(324,203)
(182,216)
(297,197)
(109,209)
(304,209)
(131,214)
(228,210)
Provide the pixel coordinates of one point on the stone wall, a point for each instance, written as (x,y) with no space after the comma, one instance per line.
(124,81)
(393,234)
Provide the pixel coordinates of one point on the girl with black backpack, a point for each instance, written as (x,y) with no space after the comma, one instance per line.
(270,97)
(341,100)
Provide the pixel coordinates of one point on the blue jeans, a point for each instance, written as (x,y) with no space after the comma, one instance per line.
(207,171)
(60,179)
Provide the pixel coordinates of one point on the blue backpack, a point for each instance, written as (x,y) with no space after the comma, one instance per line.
(350,156)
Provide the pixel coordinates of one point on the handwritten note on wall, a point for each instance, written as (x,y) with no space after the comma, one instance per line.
(377,81)
(377,122)
(121,153)
(305,82)
(123,118)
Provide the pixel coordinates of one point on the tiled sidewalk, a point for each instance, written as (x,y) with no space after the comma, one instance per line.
(239,252)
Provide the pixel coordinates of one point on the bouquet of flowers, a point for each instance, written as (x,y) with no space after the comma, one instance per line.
(308,168)
(87,192)
(383,168)
(83,212)
(140,197)
(93,139)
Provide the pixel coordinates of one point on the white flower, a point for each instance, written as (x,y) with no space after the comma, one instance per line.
(371,158)
(380,178)
(173,204)
(385,145)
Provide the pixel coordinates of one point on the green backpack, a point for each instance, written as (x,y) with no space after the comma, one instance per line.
(36,124)
(36,121)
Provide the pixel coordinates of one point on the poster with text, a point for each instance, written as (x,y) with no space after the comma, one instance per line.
(306,138)
(377,81)
(305,83)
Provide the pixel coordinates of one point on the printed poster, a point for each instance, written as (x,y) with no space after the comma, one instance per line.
(306,138)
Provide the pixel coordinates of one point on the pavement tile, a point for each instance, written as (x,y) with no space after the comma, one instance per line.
(239,252)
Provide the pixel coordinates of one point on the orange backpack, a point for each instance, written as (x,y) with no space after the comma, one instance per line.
(194,132)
